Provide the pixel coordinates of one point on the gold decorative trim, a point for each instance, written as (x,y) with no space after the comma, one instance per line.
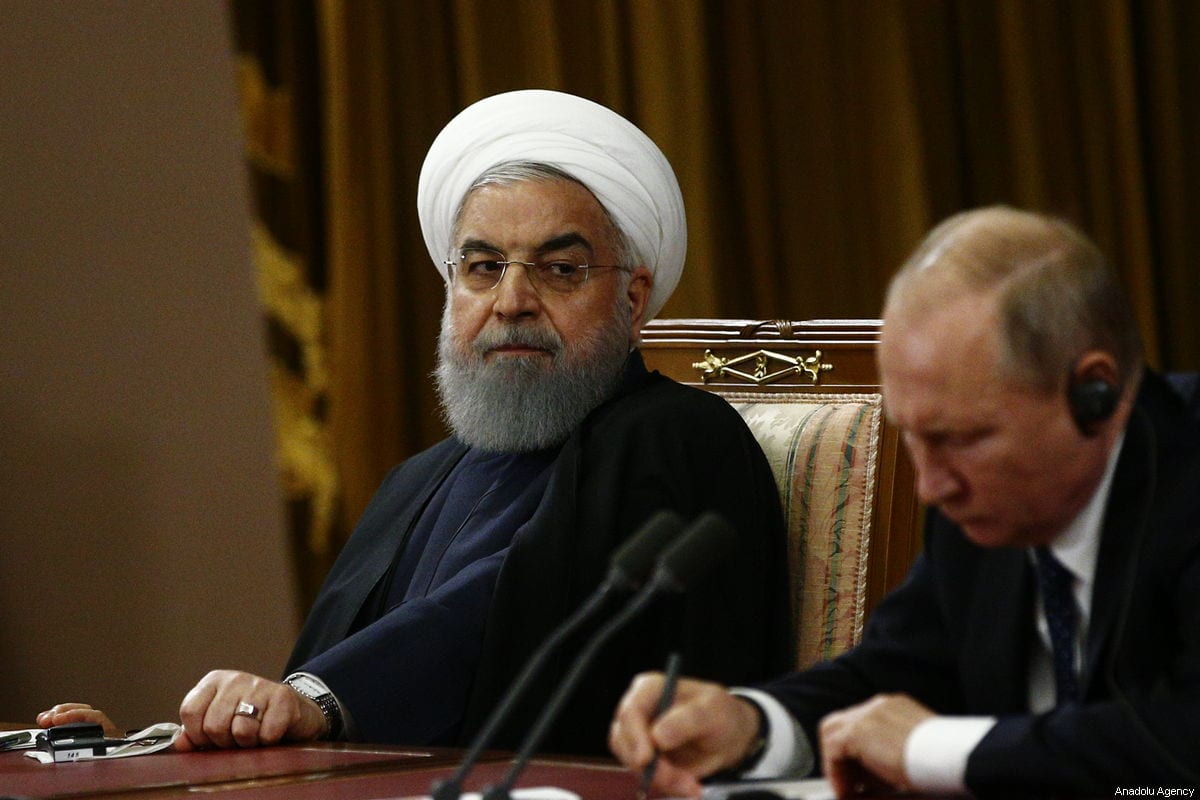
(782,326)
(716,366)
(303,446)
(266,120)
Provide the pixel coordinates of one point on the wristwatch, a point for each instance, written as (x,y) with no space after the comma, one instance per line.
(319,694)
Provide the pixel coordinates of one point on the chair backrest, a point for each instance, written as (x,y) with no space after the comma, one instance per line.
(810,393)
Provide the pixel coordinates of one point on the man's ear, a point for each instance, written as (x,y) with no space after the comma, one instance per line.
(1093,390)
(640,285)
(1096,365)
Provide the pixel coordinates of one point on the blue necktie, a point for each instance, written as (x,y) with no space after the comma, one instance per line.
(1062,616)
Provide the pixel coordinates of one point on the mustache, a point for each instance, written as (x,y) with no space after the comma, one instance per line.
(517,335)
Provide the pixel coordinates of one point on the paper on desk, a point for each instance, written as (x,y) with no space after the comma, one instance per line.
(803,789)
(531,793)
(144,742)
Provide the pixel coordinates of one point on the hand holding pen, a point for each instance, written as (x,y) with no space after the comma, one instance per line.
(705,730)
(664,702)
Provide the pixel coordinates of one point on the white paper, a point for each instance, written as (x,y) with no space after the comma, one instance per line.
(531,793)
(803,789)
(144,742)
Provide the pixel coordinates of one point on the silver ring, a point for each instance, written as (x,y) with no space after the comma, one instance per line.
(250,710)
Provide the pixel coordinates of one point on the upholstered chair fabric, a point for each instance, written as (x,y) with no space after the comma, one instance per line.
(823,450)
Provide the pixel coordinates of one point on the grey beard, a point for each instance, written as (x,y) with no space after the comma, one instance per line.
(515,404)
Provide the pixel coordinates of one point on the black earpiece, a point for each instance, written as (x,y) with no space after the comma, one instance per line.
(1092,402)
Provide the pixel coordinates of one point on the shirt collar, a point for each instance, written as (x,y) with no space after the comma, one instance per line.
(1078,546)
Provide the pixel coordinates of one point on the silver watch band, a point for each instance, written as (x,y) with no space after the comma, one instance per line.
(324,700)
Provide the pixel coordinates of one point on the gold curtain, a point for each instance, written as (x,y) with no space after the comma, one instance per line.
(815,141)
(276,46)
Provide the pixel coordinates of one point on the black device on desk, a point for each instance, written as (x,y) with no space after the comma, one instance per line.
(76,740)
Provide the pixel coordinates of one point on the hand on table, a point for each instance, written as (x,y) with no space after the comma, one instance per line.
(65,713)
(209,717)
(705,730)
(862,747)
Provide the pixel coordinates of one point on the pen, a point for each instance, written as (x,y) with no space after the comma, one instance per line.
(664,702)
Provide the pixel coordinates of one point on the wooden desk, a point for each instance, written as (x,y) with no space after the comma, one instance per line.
(591,780)
(297,772)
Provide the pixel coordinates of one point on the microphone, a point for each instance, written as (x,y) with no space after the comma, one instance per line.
(706,541)
(634,561)
(631,564)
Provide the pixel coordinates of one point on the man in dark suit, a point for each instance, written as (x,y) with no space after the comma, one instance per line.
(559,229)
(1048,637)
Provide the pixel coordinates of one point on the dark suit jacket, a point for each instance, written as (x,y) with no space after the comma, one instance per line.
(655,445)
(957,635)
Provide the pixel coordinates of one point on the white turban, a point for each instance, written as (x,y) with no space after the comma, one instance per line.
(605,152)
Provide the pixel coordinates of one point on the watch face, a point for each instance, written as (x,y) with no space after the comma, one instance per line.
(306,686)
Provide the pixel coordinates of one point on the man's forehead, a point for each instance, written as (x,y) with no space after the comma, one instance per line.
(939,334)
(931,409)
(542,213)
(940,362)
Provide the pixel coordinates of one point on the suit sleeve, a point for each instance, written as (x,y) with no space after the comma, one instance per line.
(366,556)
(408,673)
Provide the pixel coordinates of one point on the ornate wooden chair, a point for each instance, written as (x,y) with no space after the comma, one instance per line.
(810,393)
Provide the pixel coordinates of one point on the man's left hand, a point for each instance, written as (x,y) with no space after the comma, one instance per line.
(863,746)
(210,716)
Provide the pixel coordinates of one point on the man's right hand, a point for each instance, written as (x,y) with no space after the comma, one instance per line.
(64,713)
(208,717)
(705,730)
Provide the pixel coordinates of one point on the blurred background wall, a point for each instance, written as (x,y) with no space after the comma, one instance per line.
(141,520)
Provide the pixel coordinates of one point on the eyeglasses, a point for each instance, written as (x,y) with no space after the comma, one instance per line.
(482,271)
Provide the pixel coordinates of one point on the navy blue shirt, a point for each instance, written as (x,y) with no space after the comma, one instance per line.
(472,515)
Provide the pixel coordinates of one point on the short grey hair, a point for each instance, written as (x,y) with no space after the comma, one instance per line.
(1056,295)
(507,173)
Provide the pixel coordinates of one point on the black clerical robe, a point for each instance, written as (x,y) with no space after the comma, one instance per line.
(655,444)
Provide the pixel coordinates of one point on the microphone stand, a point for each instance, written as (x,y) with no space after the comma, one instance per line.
(451,788)
(697,549)
(630,566)
(501,790)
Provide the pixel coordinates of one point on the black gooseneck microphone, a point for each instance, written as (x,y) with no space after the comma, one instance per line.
(707,539)
(630,567)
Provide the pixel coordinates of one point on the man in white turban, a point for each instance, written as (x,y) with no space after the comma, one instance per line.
(559,229)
